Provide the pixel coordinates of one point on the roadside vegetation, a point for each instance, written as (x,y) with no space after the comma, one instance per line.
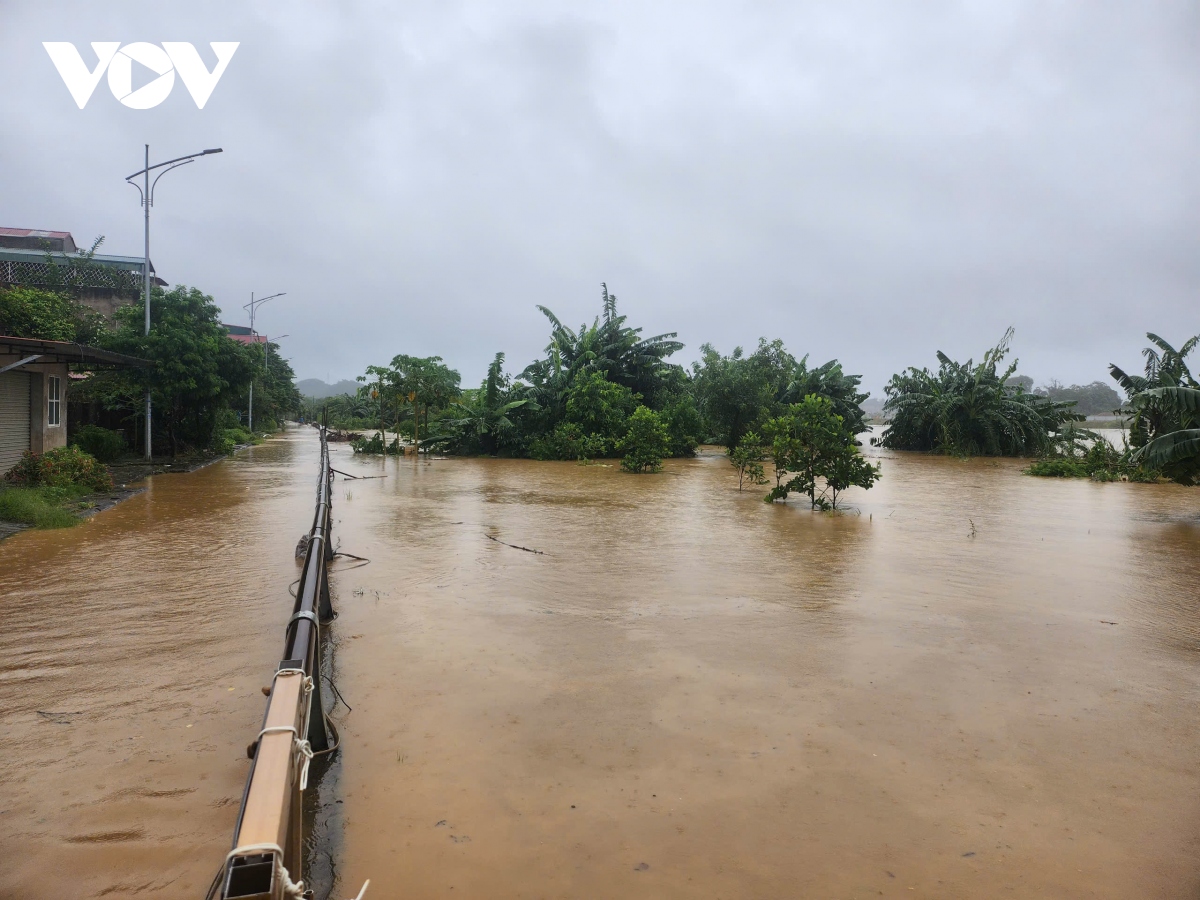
(199,380)
(42,488)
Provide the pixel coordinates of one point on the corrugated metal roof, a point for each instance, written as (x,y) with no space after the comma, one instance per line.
(68,352)
(119,262)
(35,239)
(33,232)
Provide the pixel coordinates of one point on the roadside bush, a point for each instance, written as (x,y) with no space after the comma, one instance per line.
(226,439)
(64,467)
(103,443)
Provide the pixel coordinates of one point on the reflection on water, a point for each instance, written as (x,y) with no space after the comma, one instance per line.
(975,683)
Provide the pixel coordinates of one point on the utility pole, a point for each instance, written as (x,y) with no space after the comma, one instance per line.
(146,189)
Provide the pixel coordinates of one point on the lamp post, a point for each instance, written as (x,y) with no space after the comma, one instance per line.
(253,306)
(147,192)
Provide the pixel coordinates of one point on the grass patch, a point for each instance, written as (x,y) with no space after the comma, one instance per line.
(42,507)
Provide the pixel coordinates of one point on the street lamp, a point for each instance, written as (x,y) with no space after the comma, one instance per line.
(253,306)
(267,350)
(147,193)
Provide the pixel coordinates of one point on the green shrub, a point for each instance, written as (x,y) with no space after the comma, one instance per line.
(374,446)
(568,441)
(225,440)
(1058,468)
(103,443)
(1099,462)
(64,467)
(646,442)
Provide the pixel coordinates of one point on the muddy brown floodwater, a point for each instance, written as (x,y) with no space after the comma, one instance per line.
(980,685)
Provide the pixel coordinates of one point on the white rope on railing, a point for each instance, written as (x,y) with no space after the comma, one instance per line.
(292,889)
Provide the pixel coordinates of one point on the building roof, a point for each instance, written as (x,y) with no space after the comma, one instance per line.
(17,254)
(243,335)
(68,352)
(35,239)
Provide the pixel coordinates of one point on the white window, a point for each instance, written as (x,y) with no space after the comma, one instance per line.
(54,403)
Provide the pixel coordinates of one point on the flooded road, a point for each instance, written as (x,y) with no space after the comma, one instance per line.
(980,685)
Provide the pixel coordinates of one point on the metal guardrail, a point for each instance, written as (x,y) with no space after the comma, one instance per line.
(266,860)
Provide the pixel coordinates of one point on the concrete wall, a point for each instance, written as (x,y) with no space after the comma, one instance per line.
(107,301)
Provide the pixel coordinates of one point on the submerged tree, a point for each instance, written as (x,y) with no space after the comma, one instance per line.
(972,410)
(1164,429)
(592,380)
(738,393)
(645,443)
(812,444)
(482,423)
(747,458)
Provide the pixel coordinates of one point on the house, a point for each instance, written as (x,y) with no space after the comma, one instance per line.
(33,392)
(243,335)
(51,259)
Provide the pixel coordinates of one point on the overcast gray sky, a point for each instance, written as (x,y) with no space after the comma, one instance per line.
(868,180)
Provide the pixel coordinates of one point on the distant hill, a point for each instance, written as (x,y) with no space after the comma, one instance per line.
(315,387)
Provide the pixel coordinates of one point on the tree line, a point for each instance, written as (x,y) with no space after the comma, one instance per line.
(603,390)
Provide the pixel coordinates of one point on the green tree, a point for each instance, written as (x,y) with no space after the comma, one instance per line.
(1162,409)
(484,420)
(197,371)
(48,315)
(646,442)
(738,393)
(747,458)
(733,394)
(813,444)
(275,394)
(685,427)
(600,408)
(831,382)
(973,410)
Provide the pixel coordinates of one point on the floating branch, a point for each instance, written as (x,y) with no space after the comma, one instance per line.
(514,546)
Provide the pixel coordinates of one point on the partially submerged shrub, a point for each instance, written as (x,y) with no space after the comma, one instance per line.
(1099,462)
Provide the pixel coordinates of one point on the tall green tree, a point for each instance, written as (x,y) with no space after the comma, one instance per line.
(481,424)
(197,371)
(738,393)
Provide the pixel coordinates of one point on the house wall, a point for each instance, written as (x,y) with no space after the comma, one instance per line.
(42,435)
(107,301)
